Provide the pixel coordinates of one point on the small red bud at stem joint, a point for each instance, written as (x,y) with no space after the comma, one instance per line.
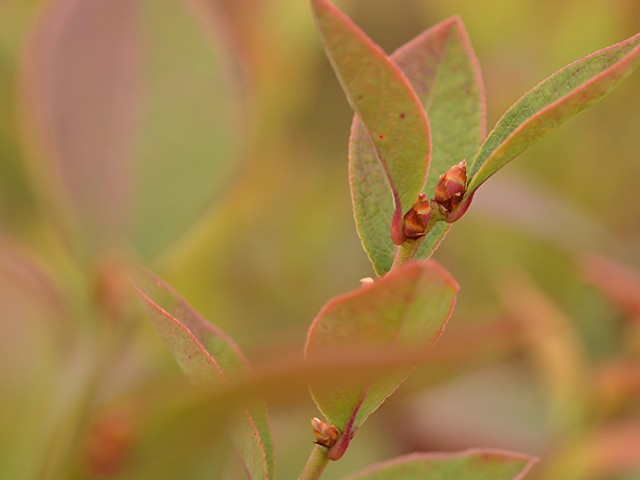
(450,190)
(416,219)
(326,434)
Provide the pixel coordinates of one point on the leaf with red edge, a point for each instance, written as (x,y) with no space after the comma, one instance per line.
(444,72)
(390,113)
(552,102)
(475,464)
(406,310)
(207,355)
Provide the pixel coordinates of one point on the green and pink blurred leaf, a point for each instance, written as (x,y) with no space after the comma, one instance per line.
(406,309)
(208,356)
(444,72)
(393,121)
(131,105)
(16,196)
(82,88)
(618,282)
(477,464)
(37,330)
(552,102)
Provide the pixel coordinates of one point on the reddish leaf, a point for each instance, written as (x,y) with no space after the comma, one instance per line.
(404,310)
(134,141)
(391,115)
(207,355)
(618,282)
(476,464)
(82,88)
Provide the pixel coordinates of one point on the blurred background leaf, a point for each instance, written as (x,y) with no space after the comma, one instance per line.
(472,465)
(136,116)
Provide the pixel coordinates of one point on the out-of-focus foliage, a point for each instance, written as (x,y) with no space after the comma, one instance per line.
(539,357)
(472,465)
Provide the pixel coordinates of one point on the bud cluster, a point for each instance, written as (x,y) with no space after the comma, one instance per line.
(448,203)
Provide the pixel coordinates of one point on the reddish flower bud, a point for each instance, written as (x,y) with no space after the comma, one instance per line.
(416,219)
(325,433)
(450,189)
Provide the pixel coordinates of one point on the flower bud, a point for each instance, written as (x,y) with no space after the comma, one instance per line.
(326,434)
(416,219)
(451,188)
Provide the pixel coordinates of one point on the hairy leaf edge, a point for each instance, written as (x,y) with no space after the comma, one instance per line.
(439,269)
(475,169)
(495,453)
(399,74)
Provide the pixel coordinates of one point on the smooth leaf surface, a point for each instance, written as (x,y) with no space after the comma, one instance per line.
(207,355)
(134,113)
(444,72)
(393,121)
(404,310)
(480,464)
(551,103)
(82,83)
(36,332)
(191,119)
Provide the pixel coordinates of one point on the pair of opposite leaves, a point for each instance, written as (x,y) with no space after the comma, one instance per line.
(395,154)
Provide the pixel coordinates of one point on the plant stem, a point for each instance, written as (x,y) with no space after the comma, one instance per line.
(113,333)
(405,252)
(316,464)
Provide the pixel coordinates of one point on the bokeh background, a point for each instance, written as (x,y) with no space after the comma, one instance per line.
(207,140)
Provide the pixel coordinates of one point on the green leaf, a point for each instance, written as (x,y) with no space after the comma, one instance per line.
(444,72)
(190,122)
(393,120)
(477,464)
(406,310)
(208,356)
(552,102)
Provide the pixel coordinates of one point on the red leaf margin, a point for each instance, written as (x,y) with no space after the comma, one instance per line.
(320,6)
(351,426)
(483,452)
(614,72)
(195,326)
